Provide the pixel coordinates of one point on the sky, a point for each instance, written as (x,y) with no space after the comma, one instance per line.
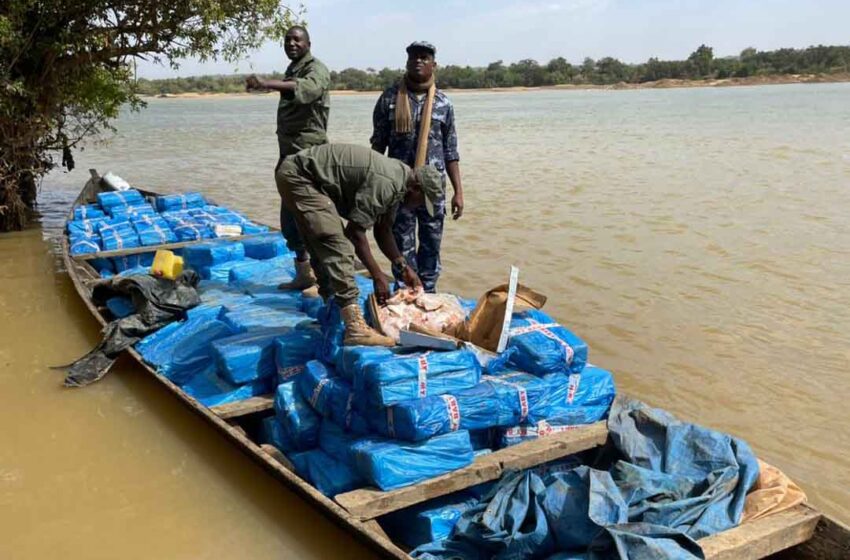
(372,33)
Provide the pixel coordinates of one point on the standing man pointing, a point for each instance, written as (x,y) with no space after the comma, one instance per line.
(302,122)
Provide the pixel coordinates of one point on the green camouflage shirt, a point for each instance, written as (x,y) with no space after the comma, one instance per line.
(362,184)
(302,115)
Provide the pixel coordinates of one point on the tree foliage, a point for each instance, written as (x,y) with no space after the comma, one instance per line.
(66,69)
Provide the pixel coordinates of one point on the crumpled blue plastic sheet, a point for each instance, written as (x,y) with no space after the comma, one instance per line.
(264,247)
(296,416)
(180,201)
(293,351)
(272,432)
(429,521)
(119,198)
(389,380)
(248,356)
(211,390)
(539,345)
(253,317)
(671,483)
(328,475)
(118,235)
(390,464)
(82,244)
(504,400)
(88,211)
(153,230)
(311,306)
(331,396)
(212,253)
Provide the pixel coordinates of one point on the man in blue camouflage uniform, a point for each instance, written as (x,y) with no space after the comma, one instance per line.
(391,133)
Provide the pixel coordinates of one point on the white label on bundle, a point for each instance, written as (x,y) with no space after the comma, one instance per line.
(521,393)
(423,374)
(453,411)
(572,389)
(314,398)
(287,372)
(509,310)
(390,422)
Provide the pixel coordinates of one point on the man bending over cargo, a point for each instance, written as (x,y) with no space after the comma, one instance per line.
(322,184)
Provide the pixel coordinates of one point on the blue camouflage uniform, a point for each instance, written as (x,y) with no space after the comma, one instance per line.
(442,148)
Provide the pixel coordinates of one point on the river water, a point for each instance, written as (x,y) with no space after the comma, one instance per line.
(697,239)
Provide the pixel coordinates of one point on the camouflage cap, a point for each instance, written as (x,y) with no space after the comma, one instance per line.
(421,45)
(430,180)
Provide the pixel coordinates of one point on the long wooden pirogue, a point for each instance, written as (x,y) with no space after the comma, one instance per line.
(800,533)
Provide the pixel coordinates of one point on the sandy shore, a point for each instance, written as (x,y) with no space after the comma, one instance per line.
(660,84)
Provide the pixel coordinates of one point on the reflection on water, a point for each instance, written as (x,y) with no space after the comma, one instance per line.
(696,238)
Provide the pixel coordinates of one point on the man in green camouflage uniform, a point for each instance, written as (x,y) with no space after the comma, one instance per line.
(323,185)
(302,122)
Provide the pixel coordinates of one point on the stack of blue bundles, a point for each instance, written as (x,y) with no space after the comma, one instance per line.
(213,215)
(331,396)
(127,262)
(247,357)
(153,230)
(130,212)
(119,198)
(296,417)
(88,211)
(272,432)
(85,227)
(118,235)
(252,317)
(328,475)
(220,272)
(85,244)
(292,352)
(185,201)
(429,521)
(265,247)
(388,381)
(268,273)
(539,345)
(186,228)
(391,464)
(211,390)
(506,400)
(212,253)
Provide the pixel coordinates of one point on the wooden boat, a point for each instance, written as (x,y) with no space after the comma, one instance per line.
(801,532)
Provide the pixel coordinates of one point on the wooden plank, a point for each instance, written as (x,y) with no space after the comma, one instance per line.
(369,503)
(153,248)
(762,537)
(373,527)
(830,541)
(277,456)
(243,407)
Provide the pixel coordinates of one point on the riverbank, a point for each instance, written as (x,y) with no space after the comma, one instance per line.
(659,84)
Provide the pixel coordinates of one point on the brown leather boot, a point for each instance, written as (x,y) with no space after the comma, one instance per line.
(304,277)
(358,333)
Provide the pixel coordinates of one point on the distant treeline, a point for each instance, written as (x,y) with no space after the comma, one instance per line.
(700,65)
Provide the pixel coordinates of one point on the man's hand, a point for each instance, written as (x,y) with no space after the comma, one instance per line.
(457,205)
(411,279)
(382,289)
(253,82)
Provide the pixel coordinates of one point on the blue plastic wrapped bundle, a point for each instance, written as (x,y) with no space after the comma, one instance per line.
(292,352)
(326,474)
(391,464)
(211,390)
(336,442)
(268,273)
(288,301)
(120,306)
(102,264)
(220,272)
(119,198)
(296,417)
(118,235)
(213,215)
(272,432)
(131,212)
(153,230)
(386,381)
(225,297)
(429,521)
(588,397)
(120,264)
(85,227)
(252,317)
(311,306)
(539,345)
(264,247)
(330,396)
(185,201)
(185,227)
(84,244)
(88,211)
(246,357)
(212,253)
(351,358)
(506,400)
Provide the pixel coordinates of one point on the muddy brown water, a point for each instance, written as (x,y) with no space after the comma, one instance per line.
(697,239)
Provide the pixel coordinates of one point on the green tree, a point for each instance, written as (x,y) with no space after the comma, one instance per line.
(702,60)
(66,68)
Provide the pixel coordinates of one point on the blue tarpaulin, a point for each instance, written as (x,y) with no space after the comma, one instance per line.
(429,521)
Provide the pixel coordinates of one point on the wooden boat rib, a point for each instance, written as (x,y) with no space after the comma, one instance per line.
(801,532)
